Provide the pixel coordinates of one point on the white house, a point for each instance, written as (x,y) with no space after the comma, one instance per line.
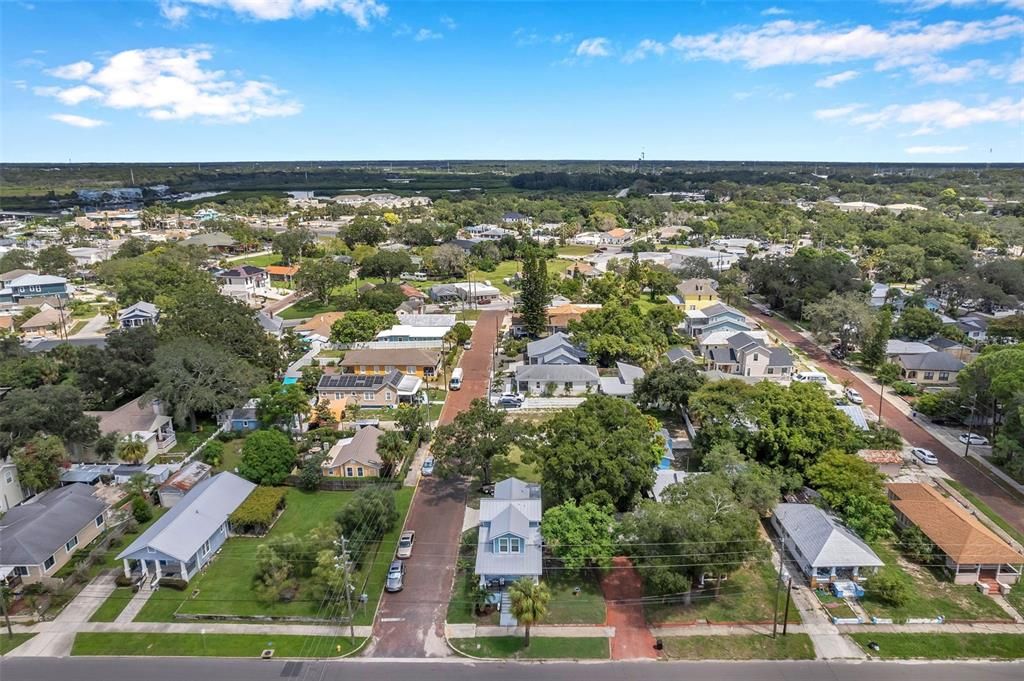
(139,314)
(824,549)
(509,540)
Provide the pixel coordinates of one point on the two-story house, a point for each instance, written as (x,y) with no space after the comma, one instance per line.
(369,390)
(555,349)
(746,356)
(509,542)
(145,422)
(715,317)
(35,286)
(248,277)
(697,294)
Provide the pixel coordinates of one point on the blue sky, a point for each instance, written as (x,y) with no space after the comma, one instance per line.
(183,80)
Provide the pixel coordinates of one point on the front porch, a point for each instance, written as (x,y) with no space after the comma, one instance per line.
(151,570)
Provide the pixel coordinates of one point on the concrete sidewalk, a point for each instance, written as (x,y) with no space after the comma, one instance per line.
(538,630)
(54,639)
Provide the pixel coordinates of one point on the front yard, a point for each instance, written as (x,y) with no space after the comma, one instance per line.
(747,596)
(210,645)
(752,647)
(943,646)
(9,643)
(513,647)
(932,594)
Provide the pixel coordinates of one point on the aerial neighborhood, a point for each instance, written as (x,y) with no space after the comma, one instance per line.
(666,418)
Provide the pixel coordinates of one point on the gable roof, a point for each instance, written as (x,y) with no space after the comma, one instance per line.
(720,309)
(32,532)
(182,530)
(139,308)
(283,270)
(372,382)
(949,526)
(319,324)
(399,357)
(556,341)
(361,447)
(692,287)
(931,361)
(514,488)
(855,414)
(822,540)
(557,372)
(899,347)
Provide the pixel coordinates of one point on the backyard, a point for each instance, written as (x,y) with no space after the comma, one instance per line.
(932,594)
(746,597)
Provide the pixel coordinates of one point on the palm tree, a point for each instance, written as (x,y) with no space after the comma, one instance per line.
(391,449)
(529,603)
(132,450)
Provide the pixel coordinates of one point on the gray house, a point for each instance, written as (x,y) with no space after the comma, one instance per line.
(509,541)
(622,383)
(823,549)
(139,314)
(186,538)
(555,349)
(558,379)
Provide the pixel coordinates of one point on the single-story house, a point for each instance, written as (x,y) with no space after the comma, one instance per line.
(356,456)
(896,347)
(38,538)
(422,362)
(408,333)
(855,414)
(887,461)
(47,323)
(318,328)
(971,551)
(563,379)
(186,538)
(509,543)
(240,419)
(975,327)
(215,241)
(282,272)
(144,422)
(823,548)
(369,390)
(270,323)
(679,354)
(555,349)
(139,314)
(622,383)
(930,369)
(182,482)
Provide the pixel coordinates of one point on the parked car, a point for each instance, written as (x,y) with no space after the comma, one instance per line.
(428,467)
(854,396)
(837,352)
(510,400)
(972,438)
(396,577)
(468,345)
(405,543)
(925,456)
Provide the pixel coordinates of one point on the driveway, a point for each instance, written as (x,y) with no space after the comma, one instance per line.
(93,328)
(979,482)
(623,591)
(411,622)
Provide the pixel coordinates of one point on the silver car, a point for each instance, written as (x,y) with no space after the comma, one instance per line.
(854,396)
(396,577)
(405,543)
(925,456)
(973,438)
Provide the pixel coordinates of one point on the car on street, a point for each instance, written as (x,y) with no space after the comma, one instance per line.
(510,400)
(854,396)
(468,345)
(925,456)
(837,352)
(396,577)
(428,467)
(973,439)
(405,543)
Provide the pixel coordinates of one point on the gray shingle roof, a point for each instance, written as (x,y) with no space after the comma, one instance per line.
(823,541)
(32,532)
(557,372)
(181,531)
(931,361)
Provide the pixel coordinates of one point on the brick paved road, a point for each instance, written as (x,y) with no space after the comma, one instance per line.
(411,623)
(1003,501)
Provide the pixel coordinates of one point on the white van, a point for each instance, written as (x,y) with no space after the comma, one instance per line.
(810,377)
(456,381)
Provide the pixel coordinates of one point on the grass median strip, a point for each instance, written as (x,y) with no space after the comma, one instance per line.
(9,643)
(541,648)
(210,645)
(944,646)
(112,606)
(752,647)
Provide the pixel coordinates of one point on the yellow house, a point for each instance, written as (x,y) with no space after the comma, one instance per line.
(696,294)
(420,362)
(355,457)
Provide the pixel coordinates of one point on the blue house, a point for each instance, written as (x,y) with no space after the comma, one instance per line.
(241,420)
(186,538)
(34,286)
(717,317)
(509,541)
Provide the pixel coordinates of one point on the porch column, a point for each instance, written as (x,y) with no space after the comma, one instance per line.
(127,568)
(145,568)
(856,571)
(159,571)
(184,570)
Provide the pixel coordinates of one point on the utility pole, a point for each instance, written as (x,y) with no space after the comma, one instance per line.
(343,545)
(3,609)
(778,588)
(970,425)
(785,617)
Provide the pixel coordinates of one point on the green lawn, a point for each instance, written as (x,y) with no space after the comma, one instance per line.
(371,577)
(259,260)
(835,607)
(112,606)
(460,607)
(540,648)
(753,647)
(984,508)
(576,250)
(210,645)
(232,455)
(187,441)
(9,643)
(1016,598)
(512,465)
(747,596)
(932,594)
(568,608)
(944,646)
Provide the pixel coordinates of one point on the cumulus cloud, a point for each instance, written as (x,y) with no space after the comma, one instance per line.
(933,115)
(426,34)
(644,48)
(836,79)
(594,47)
(789,42)
(363,12)
(937,72)
(171,84)
(936,149)
(174,13)
(837,112)
(77,121)
(76,71)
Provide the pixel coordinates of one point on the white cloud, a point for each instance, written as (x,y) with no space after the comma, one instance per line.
(946,114)
(527,38)
(77,121)
(937,72)
(449,23)
(837,112)
(594,47)
(76,71)
(774,11)
(937,149)
(1013,72)
(644,48)
(426,34)
(363,12)
(19,84)
(173,12)
(789,42)
(836,79)
(926,5)
(171,84)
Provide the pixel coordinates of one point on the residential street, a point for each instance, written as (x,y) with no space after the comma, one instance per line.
(992,493)
(201,669)
(411,623)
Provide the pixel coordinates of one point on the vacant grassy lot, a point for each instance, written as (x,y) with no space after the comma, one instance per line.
(260,260)
(944,646)
(747,596)
(210,645)
(513,647)
(932,594)
(753,647)
(576,250)
(9,643)
(567,607)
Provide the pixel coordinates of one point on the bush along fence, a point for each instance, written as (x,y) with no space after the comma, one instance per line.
(256,515)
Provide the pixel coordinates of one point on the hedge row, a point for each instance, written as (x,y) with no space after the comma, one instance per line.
(258,511)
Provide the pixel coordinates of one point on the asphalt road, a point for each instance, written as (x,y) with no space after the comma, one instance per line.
(983,485)
(411,623)
(206,669)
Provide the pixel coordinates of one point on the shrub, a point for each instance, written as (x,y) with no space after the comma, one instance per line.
(141,510)
(121,580)
(311,475)
(228,435)
(257,512)
(267,457)
(904,388)
(213,452)
(173,583)
(368,517)
(889,587)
